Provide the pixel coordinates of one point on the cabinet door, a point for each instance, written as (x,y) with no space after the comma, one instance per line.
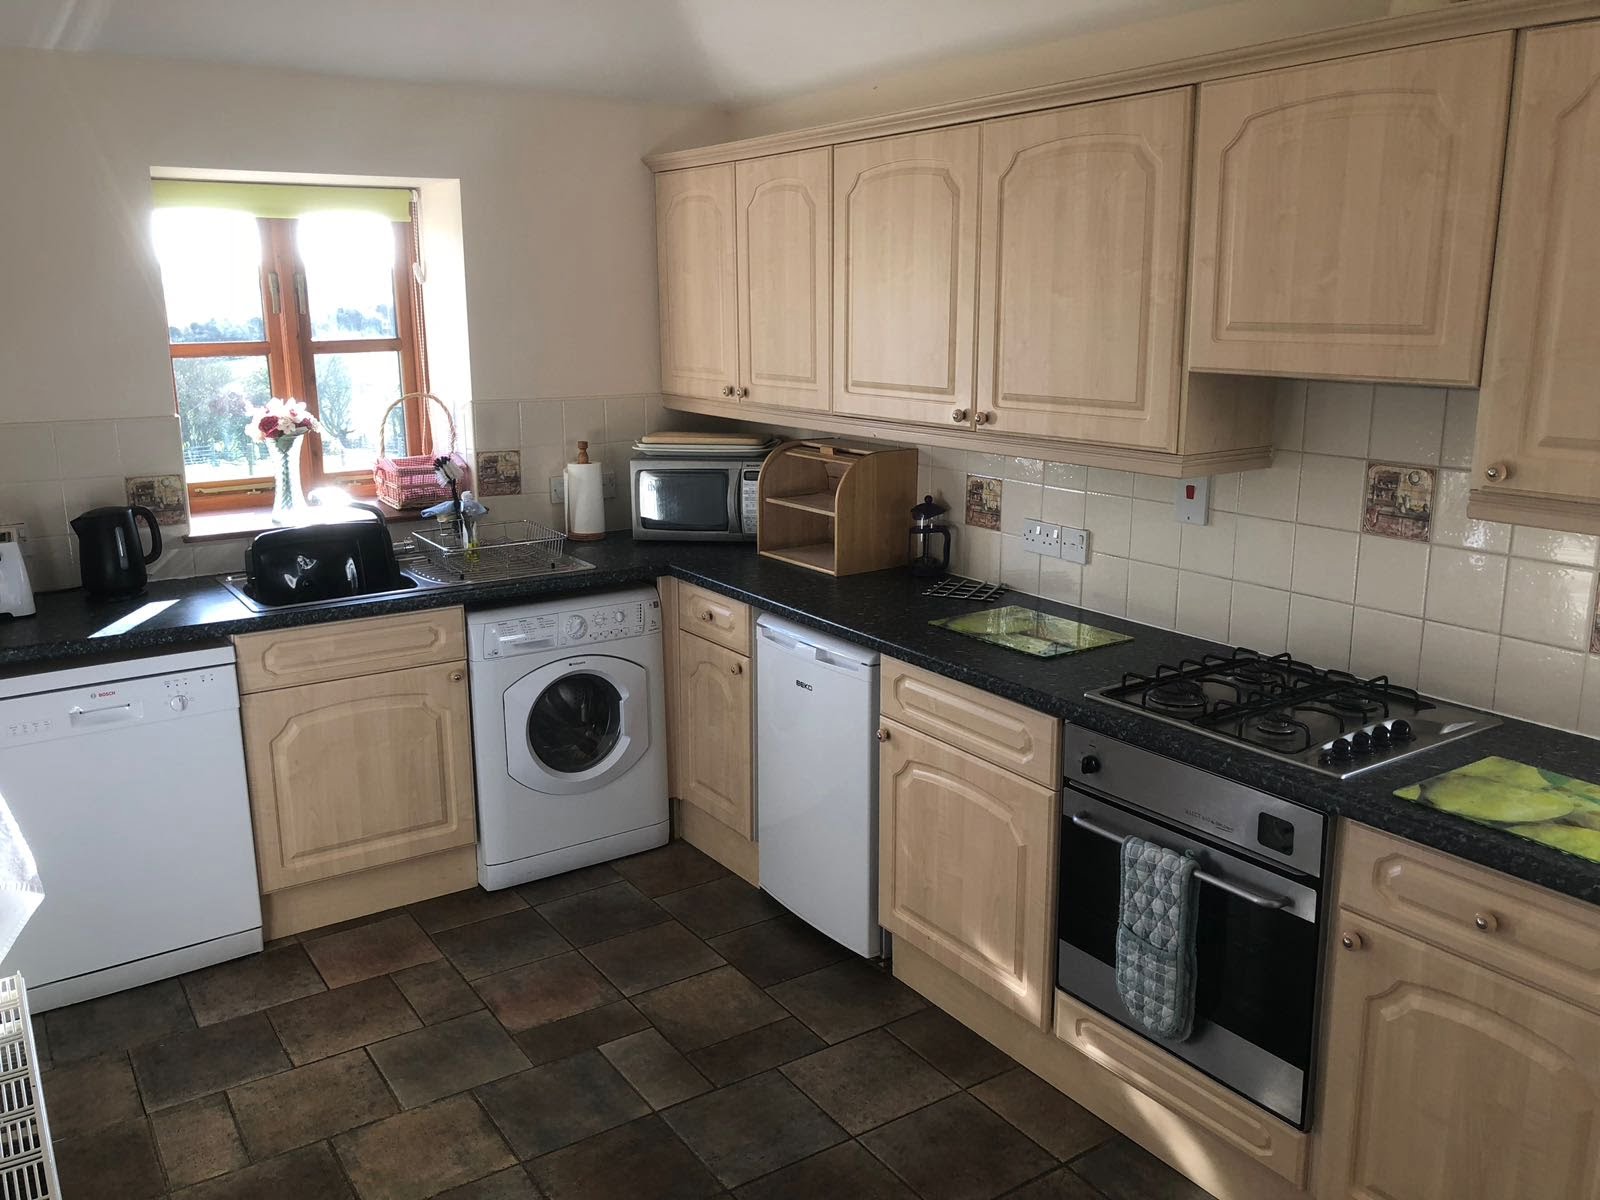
(967,867)
(359,772)
(905,248)
(1344,215)
(715,732)
(785,223)
(695,256)
(1538,413)
(1085,219)
(1446,1081)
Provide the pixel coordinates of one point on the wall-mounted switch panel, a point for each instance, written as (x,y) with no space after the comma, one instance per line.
(1042,538)
(1193,501)
(558,487)
(1075,545)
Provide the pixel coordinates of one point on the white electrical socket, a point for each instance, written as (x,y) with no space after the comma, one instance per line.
(1075,545)
(1042,538)
(558,487)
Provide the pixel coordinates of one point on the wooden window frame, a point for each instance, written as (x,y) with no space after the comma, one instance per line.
(291,352)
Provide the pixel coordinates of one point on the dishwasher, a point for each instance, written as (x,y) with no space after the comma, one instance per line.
(817,780)
(127,780)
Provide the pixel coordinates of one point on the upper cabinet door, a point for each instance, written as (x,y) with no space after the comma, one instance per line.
(1538,414)
(905,249)
(1344,215)
(698,282)
(785,222)
(1085,217)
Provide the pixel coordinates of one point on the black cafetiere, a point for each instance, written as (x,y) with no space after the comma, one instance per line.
(930,540)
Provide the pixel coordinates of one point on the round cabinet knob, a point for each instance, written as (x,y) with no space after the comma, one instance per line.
(736,669)
(959,416)
(705,615)
(178,703)
(984,418)
(883,735)
(742,392)
(1497,472)
(727,389)
(1486,922)
(1089,765)
(1352,941)
(457,676)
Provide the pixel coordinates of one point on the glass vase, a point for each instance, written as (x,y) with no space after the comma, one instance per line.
(288,497)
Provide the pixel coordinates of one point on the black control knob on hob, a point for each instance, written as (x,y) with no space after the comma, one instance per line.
(1400,731)
(1361,743)
(1380,737)
(1339,749)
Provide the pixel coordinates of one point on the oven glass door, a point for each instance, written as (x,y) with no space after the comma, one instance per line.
(1256,967)
(691,500)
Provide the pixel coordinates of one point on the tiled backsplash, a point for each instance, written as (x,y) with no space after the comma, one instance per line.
(1482,613)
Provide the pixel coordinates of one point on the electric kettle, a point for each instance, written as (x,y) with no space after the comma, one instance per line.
(110,556)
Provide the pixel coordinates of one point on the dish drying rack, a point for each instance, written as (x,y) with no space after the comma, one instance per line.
(498,550)
(27,1164)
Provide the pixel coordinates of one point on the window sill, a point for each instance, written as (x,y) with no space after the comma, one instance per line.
(247,522)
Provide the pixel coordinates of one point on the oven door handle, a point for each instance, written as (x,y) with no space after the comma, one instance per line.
(1260,899)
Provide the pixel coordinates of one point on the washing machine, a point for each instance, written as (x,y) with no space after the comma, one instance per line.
(569,733)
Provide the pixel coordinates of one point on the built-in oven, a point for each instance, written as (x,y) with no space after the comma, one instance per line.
(1258,933)
(711,499)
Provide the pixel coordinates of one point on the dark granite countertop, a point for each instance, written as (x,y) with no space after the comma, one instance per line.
(886,612)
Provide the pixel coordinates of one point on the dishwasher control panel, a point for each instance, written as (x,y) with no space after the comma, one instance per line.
(70,712)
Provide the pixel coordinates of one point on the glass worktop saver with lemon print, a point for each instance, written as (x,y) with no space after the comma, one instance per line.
(1530,802)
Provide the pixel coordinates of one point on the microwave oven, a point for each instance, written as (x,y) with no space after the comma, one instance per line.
(695,499)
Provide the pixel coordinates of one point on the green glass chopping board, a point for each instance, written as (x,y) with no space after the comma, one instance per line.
(1530,802)
(1031,632)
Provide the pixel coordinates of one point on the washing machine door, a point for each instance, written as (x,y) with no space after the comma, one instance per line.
(576,725)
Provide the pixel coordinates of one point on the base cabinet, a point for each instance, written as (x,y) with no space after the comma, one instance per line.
(715,715)
(967,867)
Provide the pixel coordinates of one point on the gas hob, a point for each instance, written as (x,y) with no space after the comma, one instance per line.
(1328,721)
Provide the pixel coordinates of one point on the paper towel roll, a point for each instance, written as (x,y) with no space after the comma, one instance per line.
(586,507)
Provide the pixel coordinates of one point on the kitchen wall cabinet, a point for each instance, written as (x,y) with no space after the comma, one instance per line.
(1084,223)
(905,252)
(967,867)
(785,263)
(696,257)
(1344,215)
(1538,449)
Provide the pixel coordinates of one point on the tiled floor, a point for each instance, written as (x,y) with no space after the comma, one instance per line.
(650,1029)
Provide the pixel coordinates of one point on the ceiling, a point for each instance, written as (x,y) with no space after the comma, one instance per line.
(726,52)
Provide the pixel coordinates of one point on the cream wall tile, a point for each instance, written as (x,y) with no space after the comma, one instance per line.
(1552,545)
(1549,603)
(1203,605)
(1019,566)
(1112,483)
(41,505)
(625,418)
(1154,535)
(81,495)
(1452,526)
(542,423)
(51,566)
(991,466)
(1331,491)
(1392,575)
(583,421)
(1209,548)
(1263,551)
(1338,418)
(221,557)
(1460,428)
(949,489)
(1024,470)
(1383,643)
(1325,563)
(28,453)
(1539,683)
(1061,581)
(1225,492)
(176,561)
(1589,710)
(1020,502)
(977,552)
(152,446)
(1465,588)
(1289,415)
(1063,507)
(497,425)
(1319,631)
(1152,594)
(1105,584)
(87,448)
(1154,487)
(1273,492)
(1259,618)
(1459,664)
(1066,475)
(944,456)
(1109,520)
(1407,424)
(539,465)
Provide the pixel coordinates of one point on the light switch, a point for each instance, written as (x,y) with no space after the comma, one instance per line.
(1193,501)
(1075,545)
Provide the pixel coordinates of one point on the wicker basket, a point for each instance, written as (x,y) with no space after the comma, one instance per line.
(408,481)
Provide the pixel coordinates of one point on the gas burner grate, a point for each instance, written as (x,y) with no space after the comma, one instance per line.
(959,587)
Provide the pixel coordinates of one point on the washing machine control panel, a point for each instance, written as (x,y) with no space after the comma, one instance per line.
(575,627)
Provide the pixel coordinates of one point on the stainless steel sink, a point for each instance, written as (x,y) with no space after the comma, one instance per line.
(239,586)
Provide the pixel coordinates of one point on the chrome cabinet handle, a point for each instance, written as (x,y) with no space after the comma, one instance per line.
(457,676)
(736,669)
(705,615)
(1352,941)
(742,392)
(727,389)
(1259,899)
(1497,472)
(984,418)
(1486,922)
(883,735)
(959,416)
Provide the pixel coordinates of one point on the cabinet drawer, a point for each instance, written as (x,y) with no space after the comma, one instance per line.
(998,731)
(345,649)
(713,617)
(1530,934)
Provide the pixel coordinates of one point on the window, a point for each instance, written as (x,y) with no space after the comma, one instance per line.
(276,290)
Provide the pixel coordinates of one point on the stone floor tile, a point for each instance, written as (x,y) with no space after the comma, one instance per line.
(844,1171)
(585,879)
(511,1184)
(378,948)
(779,949)
(752,1127)
(758,1050)
(951,1046)
(847,998)
(957,1150)
(561,1103)
(642,1160)
(462,908)
(423,1151)
(868,1080)
(250,984)
(721,906)
(708,1008)
(1049,1117)
(189,1065)
(669,868)
(584,1031)
(602,913)
(90,1094)
(119,1160)
(1124,1171)
(547,990)
(652,957)
(119,1021)
(309,1104)
(341,1019)
(307,1174)
(1060,1184)
(655,1070)
(436,991)
(440,1060)
(500,943)
(197,1140)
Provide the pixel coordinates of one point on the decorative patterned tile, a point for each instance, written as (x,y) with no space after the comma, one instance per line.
(499,473)
(1399,501)
(983,502)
